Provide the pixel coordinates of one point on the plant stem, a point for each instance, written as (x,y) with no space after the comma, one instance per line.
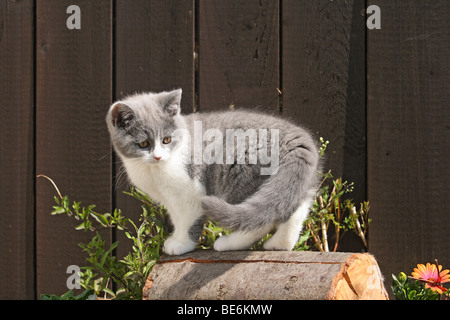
(323,226)
(324,236)
(54,184)
(358,226)
(337,226)
(316,238)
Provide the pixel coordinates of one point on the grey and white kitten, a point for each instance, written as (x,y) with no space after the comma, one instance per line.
(248,171)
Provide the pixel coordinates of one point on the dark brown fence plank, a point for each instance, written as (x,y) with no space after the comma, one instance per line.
(73,94)
(238,54)
(155,47)
(17,150)
(154,52)
(323,59)
(408,134)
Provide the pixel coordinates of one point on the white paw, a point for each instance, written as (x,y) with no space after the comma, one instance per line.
(174,247)
(274,243)
(221,244)
(231,242)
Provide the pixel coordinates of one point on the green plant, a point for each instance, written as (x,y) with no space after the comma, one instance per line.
(104,269)
(85,295)
(404,288)
(330,207)
(425,283)
(211,231)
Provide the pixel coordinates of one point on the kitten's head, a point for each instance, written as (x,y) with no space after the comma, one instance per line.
(143,126)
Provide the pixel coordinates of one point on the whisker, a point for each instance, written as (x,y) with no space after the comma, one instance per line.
(121,179)
(104,156)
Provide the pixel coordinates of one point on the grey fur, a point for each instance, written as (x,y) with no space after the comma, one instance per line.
(237,195)
(196,229)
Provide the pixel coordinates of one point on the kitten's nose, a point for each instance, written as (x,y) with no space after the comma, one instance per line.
(157,158)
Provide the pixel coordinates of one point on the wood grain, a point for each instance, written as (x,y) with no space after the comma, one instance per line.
(73,93)
(17,150)
(408,134)
(238,54)
(323,79)
(247,275)
(154,44)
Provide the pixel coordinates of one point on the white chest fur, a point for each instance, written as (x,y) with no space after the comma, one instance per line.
(169,184)
(164,182)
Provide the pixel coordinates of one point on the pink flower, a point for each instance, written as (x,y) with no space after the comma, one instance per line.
(432,276)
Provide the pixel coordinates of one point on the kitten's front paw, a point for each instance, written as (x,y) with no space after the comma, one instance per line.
(174,247)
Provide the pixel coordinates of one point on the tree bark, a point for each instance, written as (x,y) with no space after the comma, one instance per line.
(266,275)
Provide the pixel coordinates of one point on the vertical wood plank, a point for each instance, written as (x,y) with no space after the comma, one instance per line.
(73,93)
(409,134)
(154,45)
(238,54)
(323,77)
(17,150)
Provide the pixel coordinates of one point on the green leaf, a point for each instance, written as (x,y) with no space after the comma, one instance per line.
(129,274)
(69,296)
(81,226)
(106,254)
(57,210)
(412,295)
(100,219)
(109,291)
(65,202)
(128,235)
(85,294)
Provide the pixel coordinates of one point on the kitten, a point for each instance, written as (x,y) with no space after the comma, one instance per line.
(248,171)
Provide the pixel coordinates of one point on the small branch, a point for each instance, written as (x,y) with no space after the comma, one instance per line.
(316,238)
(358,226)
(324,236)
(323,226)
(337,227)
(54,184)
(141,253)
(321,183)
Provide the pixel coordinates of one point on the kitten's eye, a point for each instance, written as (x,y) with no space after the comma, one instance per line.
(143,144)
(167,140)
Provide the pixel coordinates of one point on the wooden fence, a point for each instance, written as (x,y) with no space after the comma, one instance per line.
(381,97)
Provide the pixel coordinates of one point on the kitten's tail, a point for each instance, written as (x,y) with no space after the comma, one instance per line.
(275,201)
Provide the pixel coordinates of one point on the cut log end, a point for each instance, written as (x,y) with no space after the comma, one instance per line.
(359,279)
(266,275)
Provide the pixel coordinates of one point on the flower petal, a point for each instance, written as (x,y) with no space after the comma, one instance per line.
(421,267)
(445,279)
(416,275)
(443,273)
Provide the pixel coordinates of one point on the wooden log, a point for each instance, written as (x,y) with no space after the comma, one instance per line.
(266,275)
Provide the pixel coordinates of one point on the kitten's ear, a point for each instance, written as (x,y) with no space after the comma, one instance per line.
(171,102)
(121,115)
